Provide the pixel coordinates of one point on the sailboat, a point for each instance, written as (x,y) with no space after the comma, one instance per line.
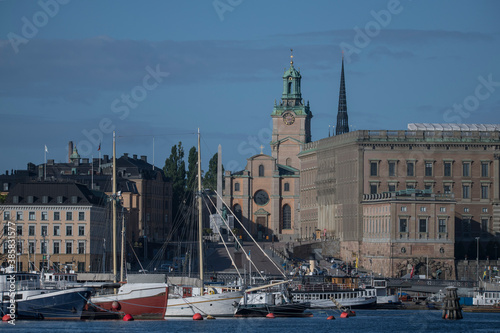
(186,300)
(142,300)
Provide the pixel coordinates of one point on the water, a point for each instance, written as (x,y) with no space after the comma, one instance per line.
(366,321)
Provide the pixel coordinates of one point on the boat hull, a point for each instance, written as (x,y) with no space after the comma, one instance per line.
(282,310)
(51,305)
(217,305)
(141,300)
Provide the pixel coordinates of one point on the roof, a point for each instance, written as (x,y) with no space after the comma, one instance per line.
(453,127)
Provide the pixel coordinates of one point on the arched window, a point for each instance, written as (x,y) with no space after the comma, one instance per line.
(287,187)
(290,85)
(236,187)
(288,162)
(287,217)
(261,170)
(237,211)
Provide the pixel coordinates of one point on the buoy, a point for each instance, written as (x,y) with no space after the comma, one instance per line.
(330,318)
(210,317)
(116,306)
(6,317)
(197,316)
(344,315)
(128,317)
(270,315)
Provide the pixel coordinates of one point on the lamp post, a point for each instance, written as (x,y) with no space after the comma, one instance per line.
(477,260)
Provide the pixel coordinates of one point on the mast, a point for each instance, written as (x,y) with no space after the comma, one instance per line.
(114,208)
(200,217)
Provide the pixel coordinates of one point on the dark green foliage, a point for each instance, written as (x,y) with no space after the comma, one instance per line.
(210,179)
(175,171)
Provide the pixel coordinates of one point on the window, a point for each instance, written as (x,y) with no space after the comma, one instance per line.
(236,187)
(60,199)
(81,230)
(287,217)
(81,247)
(19,247)
(484,169)
(261,170)
(5,248)
(392,169)
(30,199)
(6,215)
(447,189)
(422,225)
(373,168)
(484,224)
(287,187)
(5,187)
(410,169)
(484,191)
(45,199)
(19,230)
(466,191)
(44,230)
(74,199)
(31,230)
(442,225)
(19,216)
(442,209)
(69,247)
(45,216)
(466,169)
(485,210)
(466,209)
(237,211)
(403,225)
(69,230)
(403,208)
(410,186)
(57,216)
(56,247)
(447,169)
(57,230)
(81,216)
(373,188)
(69,216)
(428,169)
(423,209)
(392,188)
(31,247)
(43,247)
(32,216)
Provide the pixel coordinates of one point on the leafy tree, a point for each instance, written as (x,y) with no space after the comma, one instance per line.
(175,171)
(192,173)
(210,179)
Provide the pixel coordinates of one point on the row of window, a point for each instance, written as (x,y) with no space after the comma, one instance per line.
(286,187)
(44,216)
(44,230)
(466,189)
(56,247)
(429,169)
(45,199)
(422,225)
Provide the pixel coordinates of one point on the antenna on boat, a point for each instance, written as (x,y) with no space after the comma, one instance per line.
(200,217)
(114,207)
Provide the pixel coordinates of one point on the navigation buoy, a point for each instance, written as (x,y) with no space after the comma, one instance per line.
(128,317)
(210,317)
(270,315)
(197,316)
(344,315)
(6,317)
(116,306)
(330,318)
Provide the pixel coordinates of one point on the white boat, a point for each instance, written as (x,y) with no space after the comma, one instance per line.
(363,298)
(486,298)
(186,300)
(386,297)
(32,300)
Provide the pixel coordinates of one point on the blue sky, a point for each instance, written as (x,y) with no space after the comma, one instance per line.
(74,70)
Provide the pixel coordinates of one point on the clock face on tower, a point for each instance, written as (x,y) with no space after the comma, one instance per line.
(288,118)
(261,197)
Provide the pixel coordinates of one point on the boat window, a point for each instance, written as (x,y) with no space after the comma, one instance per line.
(19,296)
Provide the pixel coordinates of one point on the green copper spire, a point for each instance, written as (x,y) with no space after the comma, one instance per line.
(291,83)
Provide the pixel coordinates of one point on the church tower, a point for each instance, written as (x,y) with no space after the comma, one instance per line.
(291,120)
(342,120)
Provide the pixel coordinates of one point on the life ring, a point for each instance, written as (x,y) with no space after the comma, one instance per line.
(211,292)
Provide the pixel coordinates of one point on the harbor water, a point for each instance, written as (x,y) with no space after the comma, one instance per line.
(366,321)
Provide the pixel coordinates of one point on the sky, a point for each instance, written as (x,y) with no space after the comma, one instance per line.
(156,71)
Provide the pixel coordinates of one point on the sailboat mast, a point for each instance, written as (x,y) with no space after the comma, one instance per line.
(114,208)
(200,217)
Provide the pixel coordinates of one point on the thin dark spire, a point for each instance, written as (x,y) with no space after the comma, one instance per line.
(342,119)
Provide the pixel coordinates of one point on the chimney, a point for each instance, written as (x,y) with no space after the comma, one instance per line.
(105,158)
(135,156)
(85,160)
(70,151)
(50,162)
(144,158)
(125,154)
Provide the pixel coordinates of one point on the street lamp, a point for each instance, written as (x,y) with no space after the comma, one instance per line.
(477,260)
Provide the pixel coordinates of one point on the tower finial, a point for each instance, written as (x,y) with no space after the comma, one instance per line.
(291,57)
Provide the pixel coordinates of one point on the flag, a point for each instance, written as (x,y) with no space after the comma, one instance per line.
(99,149)
(357,262)
(412,271)
(484,274)
(46,149)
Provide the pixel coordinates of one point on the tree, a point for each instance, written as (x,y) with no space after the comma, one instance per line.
(175,171)
(210,179)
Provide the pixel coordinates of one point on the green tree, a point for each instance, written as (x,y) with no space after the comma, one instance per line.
(210,179)
(192,173)
(175,171)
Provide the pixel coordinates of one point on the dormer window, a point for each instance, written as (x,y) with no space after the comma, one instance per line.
(30,199)
(74,199)
(59,199)
(15,199)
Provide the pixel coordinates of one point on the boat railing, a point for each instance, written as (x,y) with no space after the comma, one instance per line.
(324,287)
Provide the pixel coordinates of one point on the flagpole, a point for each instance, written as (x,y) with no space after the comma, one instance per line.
(45,165)
(92,173)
